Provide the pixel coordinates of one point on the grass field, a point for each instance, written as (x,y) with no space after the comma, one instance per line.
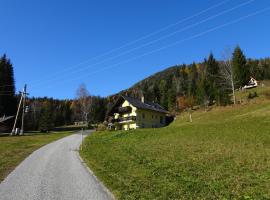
(15,149)
(223,154)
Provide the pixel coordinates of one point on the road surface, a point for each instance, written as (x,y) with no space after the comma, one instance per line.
(54,172)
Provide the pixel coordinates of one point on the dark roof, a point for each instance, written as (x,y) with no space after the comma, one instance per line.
(146,105)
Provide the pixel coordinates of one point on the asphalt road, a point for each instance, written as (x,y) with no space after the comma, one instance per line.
(54,172)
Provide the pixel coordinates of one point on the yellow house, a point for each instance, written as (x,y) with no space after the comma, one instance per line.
(130,113)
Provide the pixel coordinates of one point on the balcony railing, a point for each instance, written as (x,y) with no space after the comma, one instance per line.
(129,118)
(122,119)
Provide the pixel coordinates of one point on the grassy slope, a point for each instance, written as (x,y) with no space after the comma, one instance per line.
(224,153)
(15,149)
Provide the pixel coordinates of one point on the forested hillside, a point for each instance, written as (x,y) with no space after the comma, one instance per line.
(202,83)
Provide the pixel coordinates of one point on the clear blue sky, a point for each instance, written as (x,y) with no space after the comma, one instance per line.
(47,39)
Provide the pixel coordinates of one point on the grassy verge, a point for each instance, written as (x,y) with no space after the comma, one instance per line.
(223,154)
(15,149)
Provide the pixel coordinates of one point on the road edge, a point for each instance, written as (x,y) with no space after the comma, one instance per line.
(109,193)
(73,132)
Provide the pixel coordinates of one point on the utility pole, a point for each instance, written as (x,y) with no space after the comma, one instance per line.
(18,110)
(23,111)
(22,99)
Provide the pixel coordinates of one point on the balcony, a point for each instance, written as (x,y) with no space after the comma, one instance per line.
(126,119)
(122,119)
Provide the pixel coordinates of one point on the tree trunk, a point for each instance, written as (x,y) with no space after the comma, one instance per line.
(234,99)
(190,116)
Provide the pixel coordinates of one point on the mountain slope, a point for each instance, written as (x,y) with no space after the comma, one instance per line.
(166,86)
(223,154)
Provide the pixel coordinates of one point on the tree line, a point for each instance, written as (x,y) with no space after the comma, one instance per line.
(176,88)
(45,113)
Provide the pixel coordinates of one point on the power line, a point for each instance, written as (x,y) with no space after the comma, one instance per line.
(175,43)
(143,37)
(159,39)
(154,41)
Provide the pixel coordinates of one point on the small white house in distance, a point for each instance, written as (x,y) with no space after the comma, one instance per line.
(251,84)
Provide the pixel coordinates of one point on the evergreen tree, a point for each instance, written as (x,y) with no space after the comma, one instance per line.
(193,78)
(172,95)
(183,80)
(67,112)
(7,87)
(163,94)
(98,110)
(46,119)
(211,78)
(240,68)
(156,93)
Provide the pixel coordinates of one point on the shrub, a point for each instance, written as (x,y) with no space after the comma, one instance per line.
(252,95)
(101,127)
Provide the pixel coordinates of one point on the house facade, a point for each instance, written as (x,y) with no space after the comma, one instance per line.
(130,113)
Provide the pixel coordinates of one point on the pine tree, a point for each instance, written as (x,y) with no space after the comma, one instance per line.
(46,120)
(172,97)
(193,78)
(163,94)
(183,79)
(7,87)
(240,68)
(211,78)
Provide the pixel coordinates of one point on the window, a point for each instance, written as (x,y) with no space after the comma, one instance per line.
(161,119)
(143,116)
(152,116)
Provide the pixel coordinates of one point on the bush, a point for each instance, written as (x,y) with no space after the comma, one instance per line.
(252,95)
(101,127)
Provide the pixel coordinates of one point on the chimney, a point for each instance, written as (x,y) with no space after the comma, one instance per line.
(142,99)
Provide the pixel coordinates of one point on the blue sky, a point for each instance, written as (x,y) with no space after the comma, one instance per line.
(55,45)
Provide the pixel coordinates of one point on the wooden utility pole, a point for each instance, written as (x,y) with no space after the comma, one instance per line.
(22,100)
(18,110)
(23,111)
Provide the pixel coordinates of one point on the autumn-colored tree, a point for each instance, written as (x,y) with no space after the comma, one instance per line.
(186,104)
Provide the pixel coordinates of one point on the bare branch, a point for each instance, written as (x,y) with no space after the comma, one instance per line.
(226,71)
(84,102)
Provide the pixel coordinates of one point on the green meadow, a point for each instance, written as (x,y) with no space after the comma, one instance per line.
(223,154)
